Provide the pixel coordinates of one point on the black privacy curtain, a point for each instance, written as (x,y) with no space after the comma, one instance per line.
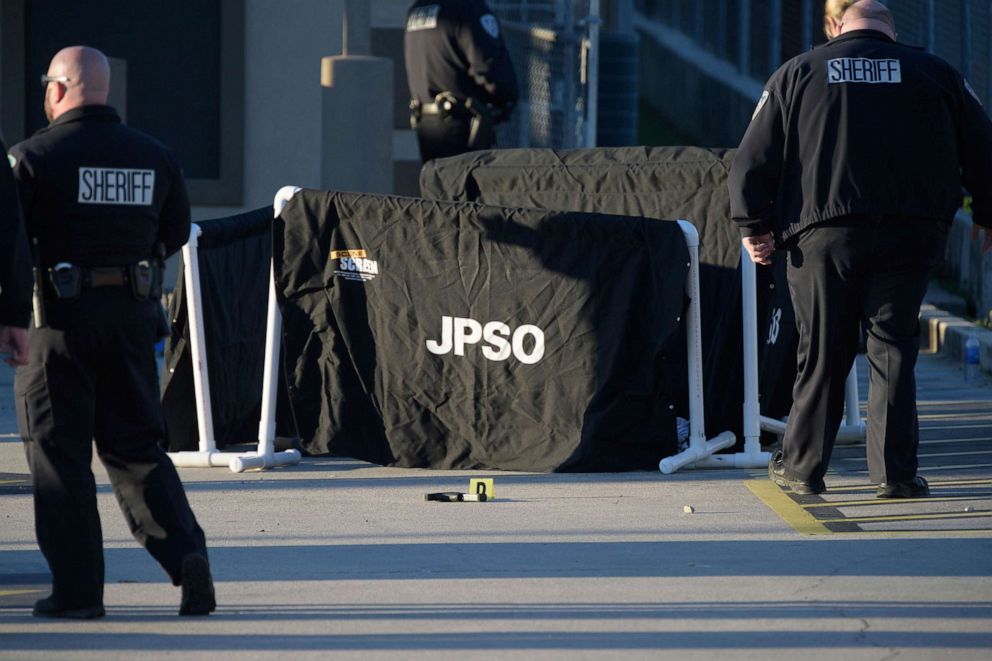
(654,182)
(455,335)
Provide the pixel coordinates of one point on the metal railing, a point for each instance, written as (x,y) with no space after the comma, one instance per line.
(758,35)
(547,40)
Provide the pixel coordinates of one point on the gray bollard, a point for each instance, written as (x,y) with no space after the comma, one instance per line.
(356,123)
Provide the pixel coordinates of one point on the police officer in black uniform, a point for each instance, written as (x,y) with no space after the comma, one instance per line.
(15,272)
(853,163)
(460,76)
(98,197)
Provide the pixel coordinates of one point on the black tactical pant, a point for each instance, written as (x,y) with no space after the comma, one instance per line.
(441,138)
(841,273)
(91,376)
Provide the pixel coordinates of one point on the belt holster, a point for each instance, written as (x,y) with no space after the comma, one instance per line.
(481,125)
(146,280)
(66,280)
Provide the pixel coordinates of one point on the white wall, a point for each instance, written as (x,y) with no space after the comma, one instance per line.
(284,42)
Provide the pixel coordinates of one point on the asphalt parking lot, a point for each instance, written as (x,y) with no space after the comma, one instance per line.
(336,558)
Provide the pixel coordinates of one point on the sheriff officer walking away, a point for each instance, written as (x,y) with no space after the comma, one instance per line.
(98,198)
(853,163)
(460,76)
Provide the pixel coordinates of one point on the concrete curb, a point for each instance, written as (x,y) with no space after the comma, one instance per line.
(945,333)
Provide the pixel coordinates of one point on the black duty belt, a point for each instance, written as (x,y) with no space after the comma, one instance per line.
(143,279)
(108,276)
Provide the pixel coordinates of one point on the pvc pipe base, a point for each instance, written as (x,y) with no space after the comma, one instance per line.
(751,459)
(697,453)
(202,459)
(241,463)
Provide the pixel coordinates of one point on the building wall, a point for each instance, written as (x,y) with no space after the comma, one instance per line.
(284,42)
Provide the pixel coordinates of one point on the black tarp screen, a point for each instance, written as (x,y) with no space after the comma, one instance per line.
(368,283)
(662,183)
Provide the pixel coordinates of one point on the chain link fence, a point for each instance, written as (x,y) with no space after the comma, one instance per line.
(546,40)
(756,36)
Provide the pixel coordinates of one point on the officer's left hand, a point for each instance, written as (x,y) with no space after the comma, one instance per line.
(14,340)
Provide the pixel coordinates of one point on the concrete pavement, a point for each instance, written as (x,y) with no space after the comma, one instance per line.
(336,558)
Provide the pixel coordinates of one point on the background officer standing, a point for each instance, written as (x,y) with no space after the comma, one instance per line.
(15,272)
(853,162)
(97,198)
(460,76)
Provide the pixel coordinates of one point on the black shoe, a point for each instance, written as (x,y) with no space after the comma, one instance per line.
(776,473)
(197,585)
(914,488)
(48,608)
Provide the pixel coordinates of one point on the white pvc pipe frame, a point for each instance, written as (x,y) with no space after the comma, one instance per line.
(851,430)
(208,456)
(699,449)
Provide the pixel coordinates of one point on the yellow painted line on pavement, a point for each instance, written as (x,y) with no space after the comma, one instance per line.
(11,593)
(896,501)
(933,484)
(970,414)
(951,441)
(931,469)
(788,510)
(931,455)
(910,517)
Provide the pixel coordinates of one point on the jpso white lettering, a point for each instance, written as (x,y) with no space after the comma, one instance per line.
(458,332)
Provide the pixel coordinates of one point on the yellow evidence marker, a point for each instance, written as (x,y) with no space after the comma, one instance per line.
(482,485)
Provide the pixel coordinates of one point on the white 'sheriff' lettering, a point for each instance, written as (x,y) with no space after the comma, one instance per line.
(863,70)
(116,186)
(423,18)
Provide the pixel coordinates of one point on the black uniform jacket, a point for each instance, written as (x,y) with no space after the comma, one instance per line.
(97,193)
(15,262)
(861,124)
(457,46)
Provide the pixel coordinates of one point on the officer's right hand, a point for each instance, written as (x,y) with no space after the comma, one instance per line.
(760,248)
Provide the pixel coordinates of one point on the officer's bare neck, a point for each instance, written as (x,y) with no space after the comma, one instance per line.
(868,15)
(81,77)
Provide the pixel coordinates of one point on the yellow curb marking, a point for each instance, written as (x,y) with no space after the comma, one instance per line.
(895,501)
(933,484)
(11,593)
(788,510)
(910,517)
(952,441)
(931,469)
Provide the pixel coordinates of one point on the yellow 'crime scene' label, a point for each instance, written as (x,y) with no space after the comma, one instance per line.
(482,485)
(338,254)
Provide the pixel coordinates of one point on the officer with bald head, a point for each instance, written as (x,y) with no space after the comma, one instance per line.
(853,165)
(103,205)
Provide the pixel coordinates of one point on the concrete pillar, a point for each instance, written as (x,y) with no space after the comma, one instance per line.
(357,123)
(118,86)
